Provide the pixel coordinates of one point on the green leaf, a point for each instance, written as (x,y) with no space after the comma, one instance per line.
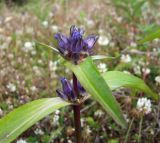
(101,57)
(93,82)
(117,79)
(47,46)
(20,119)
(150,37)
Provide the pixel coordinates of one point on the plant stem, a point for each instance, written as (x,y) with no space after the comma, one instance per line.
(76,109)
(126,138)
(140,129)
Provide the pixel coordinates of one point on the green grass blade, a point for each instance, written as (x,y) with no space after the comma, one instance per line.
(150,37)
(117,79)
(93,82)
(20,119)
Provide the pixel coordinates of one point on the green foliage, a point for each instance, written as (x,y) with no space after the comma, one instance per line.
(93,82)
(117,79)
(20,119)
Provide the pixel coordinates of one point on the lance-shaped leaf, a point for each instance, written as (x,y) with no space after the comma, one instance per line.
(93,82)
(117,79)
(20,119)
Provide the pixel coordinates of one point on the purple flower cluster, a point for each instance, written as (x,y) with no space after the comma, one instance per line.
(75,48)
(67,92)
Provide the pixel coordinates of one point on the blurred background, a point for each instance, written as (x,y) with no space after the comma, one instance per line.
(29,71)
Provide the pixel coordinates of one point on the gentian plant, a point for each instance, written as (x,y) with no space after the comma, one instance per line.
(77,55)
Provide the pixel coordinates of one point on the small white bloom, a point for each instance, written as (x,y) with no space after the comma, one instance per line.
(33,88)
(157,79)
(38,132)
(45,24)
(126,58)
(146,71)
(37,70)
(137,70)
(82,122)
(133,44)
(57,112)
(144,105)
(99,113)
(56,120)
(102,67)
(103,40)
(28,46)
(11,87)
(21,141)
(89,22)
(88,130)
(1,112)
(52,66)
(55,28)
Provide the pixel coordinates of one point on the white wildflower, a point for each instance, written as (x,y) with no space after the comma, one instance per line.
(11,87)
(157,79)
(38,132)
(133,44)
(52,66)
(126,58)
(33,88)
(144,105)
(99,113)
(36,70)
(102,67)
(28,46)
(146,71)
(89,22)
(82,121)
(1,112)
(45,24)
(88,130)
(103,40)
(137,70)
(56,120)
(57,112)
(21,141)
(55,28)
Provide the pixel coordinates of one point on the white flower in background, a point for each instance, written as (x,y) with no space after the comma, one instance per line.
(144,105)
(56,118)
(126,58)
(102,67)
(133,44)
(53,66)
(11,87)
(89,22)
(137,70)
(1,112)
(21,141)
(103,40)
(88,130)
(157,79)
(146,71)
(38,132)
(28,46)
(45,24)
(82,121)
(55,28)
(99,113)
(33,88)
(57,112)
(36,70)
